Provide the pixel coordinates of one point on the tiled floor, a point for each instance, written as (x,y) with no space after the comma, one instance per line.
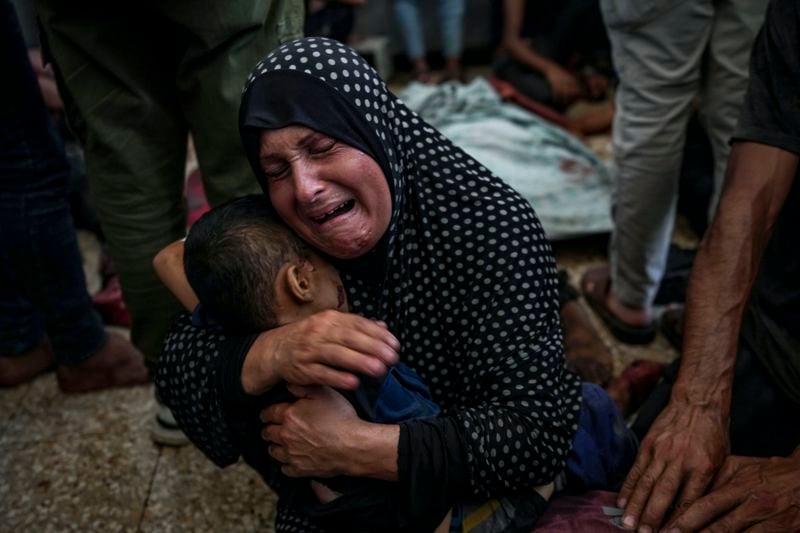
(86,462)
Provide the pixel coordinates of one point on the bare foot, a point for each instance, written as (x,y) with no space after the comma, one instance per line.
(117,364)
(19,369)
(586,353)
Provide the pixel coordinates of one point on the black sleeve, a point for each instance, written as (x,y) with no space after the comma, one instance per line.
(199,380)
(432,470)
(771,111)
(514,434)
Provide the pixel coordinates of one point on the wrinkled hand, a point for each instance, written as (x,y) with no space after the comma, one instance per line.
(750,493)
(682,451)
(564,85)
(310,436)
(328,348)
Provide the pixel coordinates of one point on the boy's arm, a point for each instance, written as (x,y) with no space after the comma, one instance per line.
(168,264)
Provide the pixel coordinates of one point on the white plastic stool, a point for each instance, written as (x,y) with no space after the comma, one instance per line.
(375,49)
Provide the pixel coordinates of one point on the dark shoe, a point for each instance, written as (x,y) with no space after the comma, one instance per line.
(595,285)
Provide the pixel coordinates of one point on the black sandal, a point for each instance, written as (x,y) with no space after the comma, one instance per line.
(600,280)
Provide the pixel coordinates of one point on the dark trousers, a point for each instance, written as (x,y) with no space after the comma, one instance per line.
(578,29)
(42,286)
(135,81)
(764,421)
(335,20)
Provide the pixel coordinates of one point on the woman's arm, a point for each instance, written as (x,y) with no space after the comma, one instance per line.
(328,348)
(532,424)
(168,264)
(195,379)
(206,377)
(320,435)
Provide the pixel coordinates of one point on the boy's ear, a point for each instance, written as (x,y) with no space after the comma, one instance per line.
(300,282)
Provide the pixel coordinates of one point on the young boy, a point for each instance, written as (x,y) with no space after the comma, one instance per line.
(249,273)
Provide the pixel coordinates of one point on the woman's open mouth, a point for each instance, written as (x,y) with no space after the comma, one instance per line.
(340,209)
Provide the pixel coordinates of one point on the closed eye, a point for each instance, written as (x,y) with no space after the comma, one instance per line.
(275,172)
(322,145)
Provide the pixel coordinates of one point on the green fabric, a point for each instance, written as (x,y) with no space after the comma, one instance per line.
(136,81)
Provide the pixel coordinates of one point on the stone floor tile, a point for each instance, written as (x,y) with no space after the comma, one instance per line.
(189,493)
(86,483)
(11,401)
(47,411)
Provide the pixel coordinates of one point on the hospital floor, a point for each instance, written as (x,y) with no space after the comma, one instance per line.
(86,462)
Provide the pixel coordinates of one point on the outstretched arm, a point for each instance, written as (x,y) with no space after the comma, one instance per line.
(689,440)
(168,264)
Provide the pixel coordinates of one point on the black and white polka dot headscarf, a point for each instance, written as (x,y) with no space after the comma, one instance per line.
(464,276)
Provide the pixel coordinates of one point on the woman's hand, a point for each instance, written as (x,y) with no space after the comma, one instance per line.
(320,435)
(327,348)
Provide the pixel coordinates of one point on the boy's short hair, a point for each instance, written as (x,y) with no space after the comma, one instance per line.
(232,256)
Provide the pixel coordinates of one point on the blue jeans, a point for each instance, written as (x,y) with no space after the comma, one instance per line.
(451,14)
(42,286)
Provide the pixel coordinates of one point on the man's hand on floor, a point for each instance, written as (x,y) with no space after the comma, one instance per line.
(677,461)
(749,493)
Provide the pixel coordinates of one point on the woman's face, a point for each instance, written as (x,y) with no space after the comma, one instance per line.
(332,195)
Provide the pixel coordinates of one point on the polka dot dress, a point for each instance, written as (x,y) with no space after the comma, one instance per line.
(467,283)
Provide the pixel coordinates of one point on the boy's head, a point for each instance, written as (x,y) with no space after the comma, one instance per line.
(252,273)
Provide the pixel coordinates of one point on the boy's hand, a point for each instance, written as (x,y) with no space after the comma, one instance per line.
(328,348)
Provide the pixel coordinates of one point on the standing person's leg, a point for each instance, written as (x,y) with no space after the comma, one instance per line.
(736,23)
(43,289)
(658,63)
(117,81)
(451,21)
(410,22)
(215,64)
